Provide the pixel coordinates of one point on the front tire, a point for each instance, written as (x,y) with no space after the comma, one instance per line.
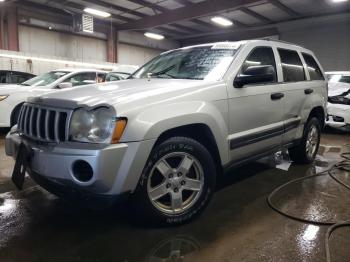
(177,182)
(306,151)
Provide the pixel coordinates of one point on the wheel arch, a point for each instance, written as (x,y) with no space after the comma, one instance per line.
(319,113)
(199,132)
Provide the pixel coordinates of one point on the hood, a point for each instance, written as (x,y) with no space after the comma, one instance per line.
(126,91)
(339,93)
(338,88)
(9,88)
(13,89)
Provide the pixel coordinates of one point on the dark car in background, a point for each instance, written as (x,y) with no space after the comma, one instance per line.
(14,77)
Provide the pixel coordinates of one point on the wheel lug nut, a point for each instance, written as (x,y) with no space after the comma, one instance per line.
(183,182)
(179,174)
(176,190)
(168,185)
(170,176)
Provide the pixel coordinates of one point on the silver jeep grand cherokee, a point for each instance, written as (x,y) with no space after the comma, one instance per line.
(161,137)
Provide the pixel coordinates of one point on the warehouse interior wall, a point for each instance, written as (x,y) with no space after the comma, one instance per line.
(131,51)
(135,55)
(51,43)
(135,49)
(330,43)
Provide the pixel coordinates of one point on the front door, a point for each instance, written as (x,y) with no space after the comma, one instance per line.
(255,110)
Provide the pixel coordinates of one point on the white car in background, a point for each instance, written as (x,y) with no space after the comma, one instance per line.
(339,100)
(13,96)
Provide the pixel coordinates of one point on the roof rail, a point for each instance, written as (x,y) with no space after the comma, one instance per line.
(280,41)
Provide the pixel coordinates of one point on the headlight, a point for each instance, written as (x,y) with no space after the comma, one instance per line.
(3,97)
(95,126)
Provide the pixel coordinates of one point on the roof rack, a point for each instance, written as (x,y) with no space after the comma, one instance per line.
(280,41)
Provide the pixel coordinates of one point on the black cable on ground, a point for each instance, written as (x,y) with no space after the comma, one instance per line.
(329,232)
(343,165)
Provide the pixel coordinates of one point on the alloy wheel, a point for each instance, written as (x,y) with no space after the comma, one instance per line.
(175,182)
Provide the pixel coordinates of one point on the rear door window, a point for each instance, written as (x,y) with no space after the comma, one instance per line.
(292,67)
(313,68)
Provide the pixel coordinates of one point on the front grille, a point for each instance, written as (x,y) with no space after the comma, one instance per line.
(43,123)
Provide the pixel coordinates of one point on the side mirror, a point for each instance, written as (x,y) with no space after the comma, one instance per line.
(65,85)
(255,74)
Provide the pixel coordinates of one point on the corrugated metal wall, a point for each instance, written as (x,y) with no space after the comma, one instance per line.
(46,42)
(330,43)
(79,48)
(32,63)
(135,55)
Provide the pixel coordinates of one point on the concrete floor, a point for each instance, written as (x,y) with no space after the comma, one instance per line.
(238,225)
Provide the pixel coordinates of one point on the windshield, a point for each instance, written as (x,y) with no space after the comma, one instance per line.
(202,63)
(45,79)
(338,78)
(116,76)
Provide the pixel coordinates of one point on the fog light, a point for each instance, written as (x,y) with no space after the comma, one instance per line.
(82,171)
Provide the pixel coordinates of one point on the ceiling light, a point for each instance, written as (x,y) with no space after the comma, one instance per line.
(221,21)
(154,36)
(339,1)
(2,0)
(97,12)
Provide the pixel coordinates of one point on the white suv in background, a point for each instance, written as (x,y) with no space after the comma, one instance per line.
(13,96)
(338,107)
(161,137)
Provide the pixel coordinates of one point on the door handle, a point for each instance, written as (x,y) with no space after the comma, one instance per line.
(308,91)
(276,96)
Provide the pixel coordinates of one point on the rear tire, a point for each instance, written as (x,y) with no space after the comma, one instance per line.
(176,184)
(306,151)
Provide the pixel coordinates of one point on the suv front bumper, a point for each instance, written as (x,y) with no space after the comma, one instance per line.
(114,170)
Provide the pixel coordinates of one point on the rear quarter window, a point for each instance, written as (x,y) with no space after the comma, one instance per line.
(313,68)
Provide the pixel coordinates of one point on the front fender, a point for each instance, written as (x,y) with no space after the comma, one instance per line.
(150,123)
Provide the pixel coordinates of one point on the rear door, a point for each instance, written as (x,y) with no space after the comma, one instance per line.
(255,113)
(294,84)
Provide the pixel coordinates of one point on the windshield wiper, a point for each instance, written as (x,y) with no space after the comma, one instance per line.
(23,84)
(162,72)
